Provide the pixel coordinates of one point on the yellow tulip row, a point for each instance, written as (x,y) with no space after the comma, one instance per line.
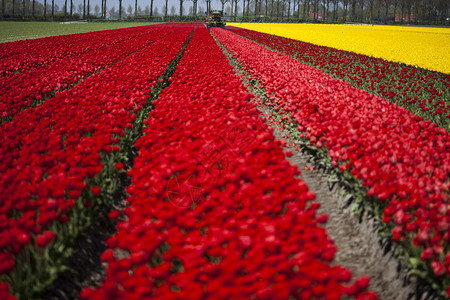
(423,47)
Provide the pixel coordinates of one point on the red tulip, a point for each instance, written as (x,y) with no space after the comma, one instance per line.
(95,190)
(45,238)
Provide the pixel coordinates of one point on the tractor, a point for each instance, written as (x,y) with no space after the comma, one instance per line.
(215,19)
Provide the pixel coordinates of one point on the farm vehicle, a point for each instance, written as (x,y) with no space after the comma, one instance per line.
(215,19)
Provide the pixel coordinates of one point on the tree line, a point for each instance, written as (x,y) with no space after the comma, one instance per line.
(332,11)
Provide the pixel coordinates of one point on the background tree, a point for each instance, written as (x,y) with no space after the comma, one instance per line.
(294,9)
(361,4)
(386,14)
(289,8)
(306,8)
(65,9)
(235,9)
(49,9)
(314,8)
(194,7)
(402,10)
(165,10)
(223,2)
(227,10)
(249,3)
(379,9)
(335,9)
(443,7)
(395,4)
(172,10)
(409,4)
(96,9)
(345,9)
(231,9)
(130,10)
(280,8)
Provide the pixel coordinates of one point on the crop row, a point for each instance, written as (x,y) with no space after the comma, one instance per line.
(31,86)
(400,159)
(423,92)
(16,57)
(56,161)
(215,210)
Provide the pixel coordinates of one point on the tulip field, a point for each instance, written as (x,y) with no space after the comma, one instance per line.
(424,47)
(212,207)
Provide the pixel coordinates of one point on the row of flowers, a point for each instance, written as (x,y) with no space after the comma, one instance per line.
(421,91)
(398,158)
(56,161)
(215,210)
(31,86)
(23,55)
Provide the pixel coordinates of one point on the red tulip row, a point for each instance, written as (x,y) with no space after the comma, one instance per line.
(27,54)
(215,210)
(21,90)
(421,91)
(50,156)
(401,159)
